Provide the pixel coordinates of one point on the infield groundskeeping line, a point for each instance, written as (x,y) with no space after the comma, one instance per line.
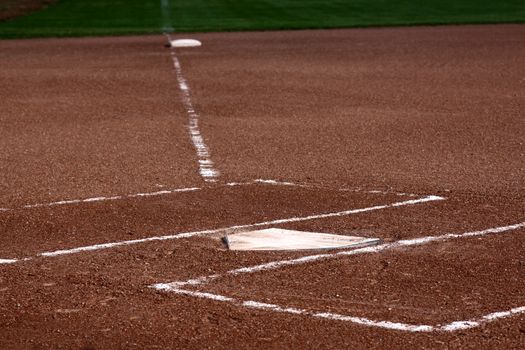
(191,189)
(176,287)
(206,166)
(112,245)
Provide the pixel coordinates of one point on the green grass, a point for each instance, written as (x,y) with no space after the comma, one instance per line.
(118,17)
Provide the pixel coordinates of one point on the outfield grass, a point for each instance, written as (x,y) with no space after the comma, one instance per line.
(118,17)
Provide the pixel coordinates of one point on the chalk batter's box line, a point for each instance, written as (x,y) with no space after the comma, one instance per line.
(179,287)
(192,189)
(175,236)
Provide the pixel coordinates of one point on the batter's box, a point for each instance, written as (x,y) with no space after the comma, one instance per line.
(409,296)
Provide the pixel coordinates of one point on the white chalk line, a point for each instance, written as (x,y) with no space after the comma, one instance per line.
(366,250)
(8,261)
(453,326)
(112,245)
(190,189)
(206,165)
(397,326)
(166,16)
(316,186)
(134,195)
(103,198)
(112,198)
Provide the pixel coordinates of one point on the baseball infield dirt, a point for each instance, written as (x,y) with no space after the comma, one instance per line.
(355,120)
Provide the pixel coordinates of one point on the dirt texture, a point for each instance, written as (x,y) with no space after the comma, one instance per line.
(15,8)
(423,111)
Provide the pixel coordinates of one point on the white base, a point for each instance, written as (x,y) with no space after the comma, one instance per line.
(280,239)
(185,43)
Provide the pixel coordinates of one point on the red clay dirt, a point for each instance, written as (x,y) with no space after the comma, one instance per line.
(14,8)
(446,284)
(418,110)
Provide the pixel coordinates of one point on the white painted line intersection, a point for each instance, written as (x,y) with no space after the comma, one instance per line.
(176,287)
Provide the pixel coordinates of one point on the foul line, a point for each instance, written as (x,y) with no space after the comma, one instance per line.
(214,231)
(175,287)
(166,16)
(206,165)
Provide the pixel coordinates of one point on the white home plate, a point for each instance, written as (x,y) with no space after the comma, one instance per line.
(279,239)
(185,43)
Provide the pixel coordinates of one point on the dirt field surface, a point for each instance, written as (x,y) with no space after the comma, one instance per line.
(124,163)
(15,8)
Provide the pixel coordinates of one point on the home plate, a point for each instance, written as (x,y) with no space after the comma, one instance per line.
(279,239)
(185,43)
